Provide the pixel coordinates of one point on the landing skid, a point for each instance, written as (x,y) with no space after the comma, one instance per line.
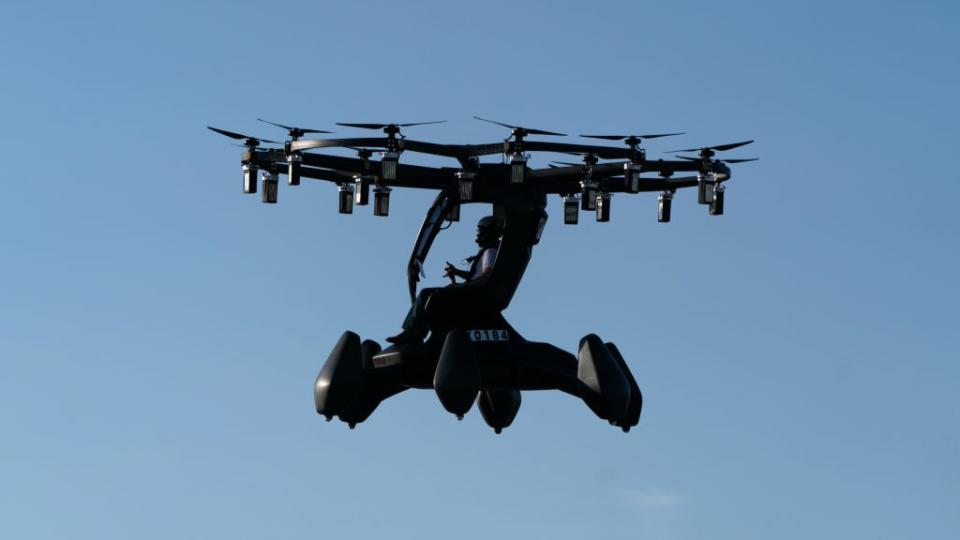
(487,367)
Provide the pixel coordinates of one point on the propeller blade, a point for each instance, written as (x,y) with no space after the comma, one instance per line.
(495,122)
(230,134)
(293,128)
(625,137)
(363,126)
(658,135)
(584,154)
(738,160)
(421,123)
(731,146)
(531,131)
(718,148)
(544,132)
(246,146)
(568,163)
(381,126)
(606,137)
(239,136)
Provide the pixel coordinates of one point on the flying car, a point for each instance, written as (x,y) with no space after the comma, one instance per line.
(470,352)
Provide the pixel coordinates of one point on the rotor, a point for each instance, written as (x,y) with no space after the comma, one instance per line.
(519,132)
(632,141)
(294,132)
(589,160)
(391,130)
(248,141)
(394,146)
(738,160)
(708,152)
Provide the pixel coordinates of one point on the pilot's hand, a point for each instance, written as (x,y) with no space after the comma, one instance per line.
(450,271)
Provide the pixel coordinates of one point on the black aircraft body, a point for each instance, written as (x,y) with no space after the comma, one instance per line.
(471,353)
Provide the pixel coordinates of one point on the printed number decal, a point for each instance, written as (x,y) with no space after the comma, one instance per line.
(488,335)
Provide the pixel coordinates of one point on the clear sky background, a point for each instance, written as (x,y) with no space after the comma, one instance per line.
(160,331)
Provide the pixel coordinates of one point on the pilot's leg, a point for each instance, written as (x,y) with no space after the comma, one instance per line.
(410,321)
(414,329)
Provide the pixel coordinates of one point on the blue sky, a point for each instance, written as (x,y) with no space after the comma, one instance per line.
(160,331)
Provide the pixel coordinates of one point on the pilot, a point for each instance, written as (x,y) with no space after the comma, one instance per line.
(489,231)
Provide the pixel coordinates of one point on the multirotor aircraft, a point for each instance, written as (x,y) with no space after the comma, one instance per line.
(471,353)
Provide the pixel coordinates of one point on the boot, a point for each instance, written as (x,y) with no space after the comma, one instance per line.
(408,336)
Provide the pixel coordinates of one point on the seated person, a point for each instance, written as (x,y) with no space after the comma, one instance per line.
(489,231)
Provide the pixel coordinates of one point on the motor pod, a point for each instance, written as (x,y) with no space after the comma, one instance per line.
(453,212)
(603,385)
(635,405)
(250,172)
(705,185)
(716,206)
(518,167)
(571,209)
(388,165)
(499,407)
(664,203)
(603,207)
(467,181)
(271,185)
(345,198)
(631,177)
(457,379)
(362,190)
(293,168)
(342,377)
(588,198)
(381,201)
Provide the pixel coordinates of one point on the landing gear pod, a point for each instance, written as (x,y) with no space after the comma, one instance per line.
(365,400)
(499,407)
(345,386)
(341,378)
(632,417)
(603,385)
(457,379)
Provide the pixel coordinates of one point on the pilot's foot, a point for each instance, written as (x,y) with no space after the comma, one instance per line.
(409,335)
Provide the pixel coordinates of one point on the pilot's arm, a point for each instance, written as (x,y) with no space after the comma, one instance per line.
(483,267)
(452,271)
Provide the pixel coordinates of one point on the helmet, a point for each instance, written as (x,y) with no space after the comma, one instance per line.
(490,222)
